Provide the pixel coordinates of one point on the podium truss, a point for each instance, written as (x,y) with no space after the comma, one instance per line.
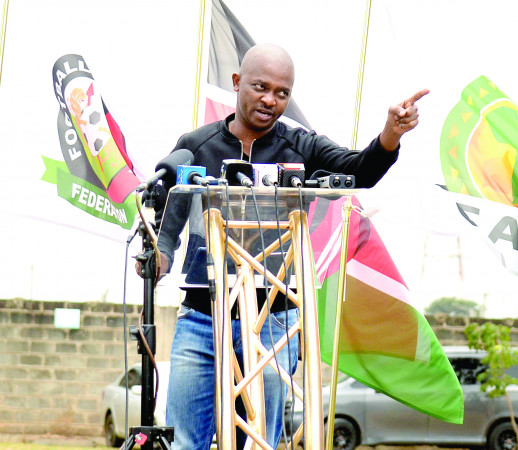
(236,223)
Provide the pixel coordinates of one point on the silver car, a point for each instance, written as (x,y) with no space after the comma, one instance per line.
(366,417)
(114,402)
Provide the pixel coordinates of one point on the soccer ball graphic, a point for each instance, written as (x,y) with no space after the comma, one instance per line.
(94,131)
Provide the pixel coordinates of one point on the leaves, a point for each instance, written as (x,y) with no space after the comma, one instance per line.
(496,341)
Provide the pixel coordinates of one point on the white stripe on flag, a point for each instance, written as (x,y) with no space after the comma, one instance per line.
(330,251)
(378,280)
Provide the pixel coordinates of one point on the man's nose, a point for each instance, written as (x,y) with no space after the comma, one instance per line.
(268,98)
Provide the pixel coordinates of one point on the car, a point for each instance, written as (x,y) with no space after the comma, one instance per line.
(364,416)
(114,402)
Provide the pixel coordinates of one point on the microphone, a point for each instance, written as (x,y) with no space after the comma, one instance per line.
(166,169)
(192,175)
(237,172)
(291,174)
(324,179)
(337,181)
(265,174)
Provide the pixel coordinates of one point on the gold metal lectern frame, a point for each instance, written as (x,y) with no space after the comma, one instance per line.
(231,236)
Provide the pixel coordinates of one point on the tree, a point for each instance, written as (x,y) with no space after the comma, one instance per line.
(495,340)
(454,307)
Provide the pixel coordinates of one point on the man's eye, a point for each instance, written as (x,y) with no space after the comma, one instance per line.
(284,94)
(258,86)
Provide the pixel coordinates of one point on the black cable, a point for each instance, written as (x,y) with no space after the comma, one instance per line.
(227,212)
(212,291)
(286,286)
(301,209)
(124,325)
(210,259)
(272,343)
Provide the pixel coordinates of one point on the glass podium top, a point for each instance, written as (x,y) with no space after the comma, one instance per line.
(263,190)
(243,203)
(237,204)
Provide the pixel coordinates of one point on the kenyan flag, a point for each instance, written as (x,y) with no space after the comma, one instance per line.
(385,342)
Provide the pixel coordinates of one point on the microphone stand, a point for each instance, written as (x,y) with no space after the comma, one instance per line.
(145,334)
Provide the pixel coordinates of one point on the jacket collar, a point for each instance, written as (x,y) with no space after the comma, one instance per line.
(266,138)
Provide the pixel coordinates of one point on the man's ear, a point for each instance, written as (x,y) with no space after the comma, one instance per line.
(235,81)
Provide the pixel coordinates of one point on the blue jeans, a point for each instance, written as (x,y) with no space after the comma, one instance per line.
(190,398)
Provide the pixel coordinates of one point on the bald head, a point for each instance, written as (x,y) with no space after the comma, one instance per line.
(263,88)
(268,55)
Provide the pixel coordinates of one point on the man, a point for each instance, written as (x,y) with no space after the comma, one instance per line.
(263,86)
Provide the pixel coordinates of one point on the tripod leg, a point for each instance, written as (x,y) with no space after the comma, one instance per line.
(129,444)
(163,443)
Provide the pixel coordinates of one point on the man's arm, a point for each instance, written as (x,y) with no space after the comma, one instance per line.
(400,119)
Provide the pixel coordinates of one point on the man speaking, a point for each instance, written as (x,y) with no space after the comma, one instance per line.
(264,86)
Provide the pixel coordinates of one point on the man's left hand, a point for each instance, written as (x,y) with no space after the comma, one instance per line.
(400,119)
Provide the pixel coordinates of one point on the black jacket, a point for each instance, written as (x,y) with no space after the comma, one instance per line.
(213,143)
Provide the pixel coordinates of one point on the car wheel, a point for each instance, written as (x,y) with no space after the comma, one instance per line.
(502,437)
(112,440)
(345,435)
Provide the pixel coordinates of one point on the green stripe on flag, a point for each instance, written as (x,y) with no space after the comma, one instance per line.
(407,364)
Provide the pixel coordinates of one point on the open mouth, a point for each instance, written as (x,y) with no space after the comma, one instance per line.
(264,115)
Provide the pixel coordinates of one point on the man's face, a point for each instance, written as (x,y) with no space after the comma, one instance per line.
(264,91)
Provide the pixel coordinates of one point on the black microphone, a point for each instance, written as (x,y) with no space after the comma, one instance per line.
(179,157)
(237,172)
(244,180)
(167,168)
(337,181)
(291,174)
(196,178)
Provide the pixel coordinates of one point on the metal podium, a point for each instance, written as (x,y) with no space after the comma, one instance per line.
(247,231)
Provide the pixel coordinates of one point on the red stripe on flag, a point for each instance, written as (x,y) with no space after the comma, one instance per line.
(118,137)
(215,111)
(372,252)
(122,184)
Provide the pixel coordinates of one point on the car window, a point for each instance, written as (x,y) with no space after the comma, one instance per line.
(467,369)
(134,378)
(513,371)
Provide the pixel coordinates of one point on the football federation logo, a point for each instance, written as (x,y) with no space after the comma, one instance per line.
(96,174)
(479,144)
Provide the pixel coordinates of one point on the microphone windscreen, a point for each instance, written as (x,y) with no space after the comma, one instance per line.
(180,157)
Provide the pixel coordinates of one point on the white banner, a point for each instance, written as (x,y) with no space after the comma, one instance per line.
(143,58)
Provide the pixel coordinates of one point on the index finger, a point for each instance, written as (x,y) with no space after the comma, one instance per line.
(417,96)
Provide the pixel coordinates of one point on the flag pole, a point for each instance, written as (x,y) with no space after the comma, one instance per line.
(345,233)
(2,36)
(361,70)
(340,299)
(196,105)
(199,65)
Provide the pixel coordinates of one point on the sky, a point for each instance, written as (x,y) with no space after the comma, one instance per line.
(143,58)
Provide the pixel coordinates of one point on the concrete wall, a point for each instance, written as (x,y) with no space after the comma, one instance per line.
(51,379)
